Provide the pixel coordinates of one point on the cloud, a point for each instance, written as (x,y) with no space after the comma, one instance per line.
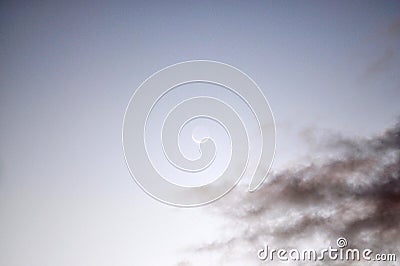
(386,60)
(353,193)
(394,28)
(382,64)
(184,263)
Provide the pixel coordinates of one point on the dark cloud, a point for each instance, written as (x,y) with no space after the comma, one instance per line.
(353,193)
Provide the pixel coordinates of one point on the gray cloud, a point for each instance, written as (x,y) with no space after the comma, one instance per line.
(184,263)
(387,59)
(353,193)
(381,64)
(394,28)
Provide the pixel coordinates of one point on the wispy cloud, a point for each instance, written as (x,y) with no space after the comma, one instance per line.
(184,263)
(381,64)
(394,28)
(386,60)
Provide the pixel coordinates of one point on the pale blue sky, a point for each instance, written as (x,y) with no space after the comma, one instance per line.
(67,71)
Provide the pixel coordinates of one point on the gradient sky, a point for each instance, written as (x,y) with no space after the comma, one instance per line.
(67,71)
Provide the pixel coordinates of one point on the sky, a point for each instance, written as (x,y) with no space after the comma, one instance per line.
(68,70)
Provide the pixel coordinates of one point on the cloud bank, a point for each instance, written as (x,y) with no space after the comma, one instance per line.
(354,192)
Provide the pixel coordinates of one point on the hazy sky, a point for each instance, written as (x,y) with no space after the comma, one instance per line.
(67,71)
